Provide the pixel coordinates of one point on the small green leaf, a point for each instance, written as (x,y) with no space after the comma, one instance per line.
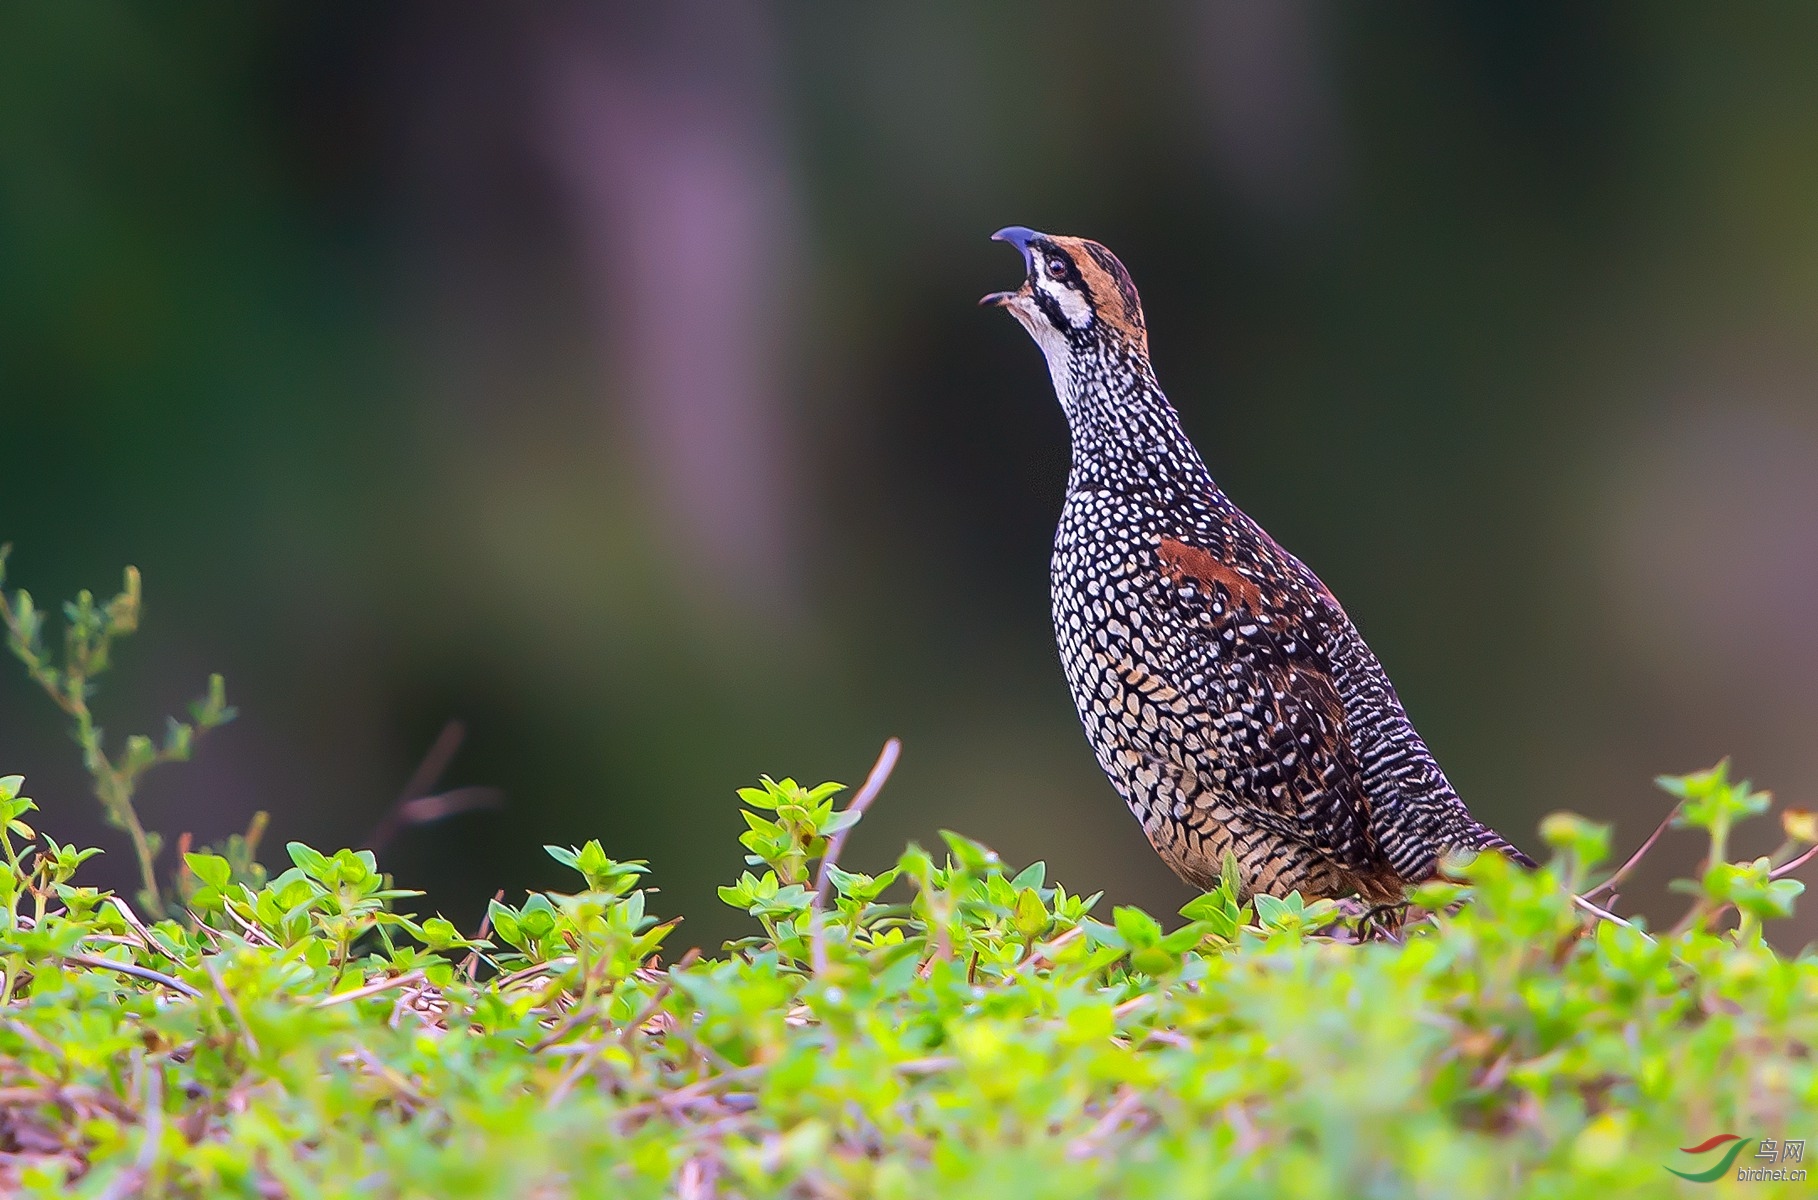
(211,869)
(974,857)
(311,862)
(1031,876)
(1031,918)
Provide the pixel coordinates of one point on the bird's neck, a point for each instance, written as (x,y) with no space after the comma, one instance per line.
(1125,433)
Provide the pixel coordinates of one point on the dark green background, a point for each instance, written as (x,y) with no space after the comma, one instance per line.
(352,326)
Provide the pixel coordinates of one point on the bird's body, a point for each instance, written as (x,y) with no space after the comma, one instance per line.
(1224,691)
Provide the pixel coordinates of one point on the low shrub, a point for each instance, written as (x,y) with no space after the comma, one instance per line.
(952,1027)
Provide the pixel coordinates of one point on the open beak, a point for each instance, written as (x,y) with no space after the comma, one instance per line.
(1022,238)
(999,299)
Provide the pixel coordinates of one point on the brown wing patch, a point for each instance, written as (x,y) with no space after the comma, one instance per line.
(1181,562)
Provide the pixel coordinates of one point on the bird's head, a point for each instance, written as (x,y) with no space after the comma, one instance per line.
(1075,296)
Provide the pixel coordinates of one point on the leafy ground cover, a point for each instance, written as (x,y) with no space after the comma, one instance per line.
(952,1027)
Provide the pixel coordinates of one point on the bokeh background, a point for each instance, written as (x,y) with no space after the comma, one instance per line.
(608,377)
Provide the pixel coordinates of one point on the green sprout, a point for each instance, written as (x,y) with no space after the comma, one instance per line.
(89,633)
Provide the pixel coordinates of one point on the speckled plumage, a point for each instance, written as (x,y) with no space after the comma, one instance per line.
(1226,694)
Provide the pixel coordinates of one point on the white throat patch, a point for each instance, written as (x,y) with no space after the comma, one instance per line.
(1073,306)
(1053,343)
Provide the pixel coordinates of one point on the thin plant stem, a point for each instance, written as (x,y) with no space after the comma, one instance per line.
(874,783)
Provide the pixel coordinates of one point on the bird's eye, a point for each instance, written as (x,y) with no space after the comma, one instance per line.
(1057,268)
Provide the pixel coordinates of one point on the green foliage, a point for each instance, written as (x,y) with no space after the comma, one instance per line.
(949,1027)
(89,633)
(972,1031)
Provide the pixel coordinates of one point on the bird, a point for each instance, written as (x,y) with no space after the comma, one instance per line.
(1224,690)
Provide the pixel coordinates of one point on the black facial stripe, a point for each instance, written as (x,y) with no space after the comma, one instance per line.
(1038,271)
(1052,310)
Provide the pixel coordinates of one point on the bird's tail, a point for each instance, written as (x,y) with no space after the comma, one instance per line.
(1481,837)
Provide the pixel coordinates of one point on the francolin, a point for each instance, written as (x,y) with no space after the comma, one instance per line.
(1226,694)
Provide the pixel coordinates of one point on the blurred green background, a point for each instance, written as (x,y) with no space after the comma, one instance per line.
(608,377)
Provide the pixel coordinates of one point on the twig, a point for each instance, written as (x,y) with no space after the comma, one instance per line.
(1106,1125)
(661,994)
(371,989)
(233,1009)
(682,1097)
(561,963)
(471,963)
(109,939)
(1044,953)
(1499,1071)
(1168,1037)
(582,1064)
(425,810)
(1784,867)
(1696,917)
(216,938)
(131,1181)
(441,752)
(415,806)
(254,934)
(1238,1118)
(1636,857)
(695,1181)
(153,1074)
(1132,1004)
(397,1081)
(26,1033)
(874,783)
(823,881)
(684,1031)
(73,1096)
(1607,915)
(133,969)
(574,1049)
(577,1015)
(408,1003)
